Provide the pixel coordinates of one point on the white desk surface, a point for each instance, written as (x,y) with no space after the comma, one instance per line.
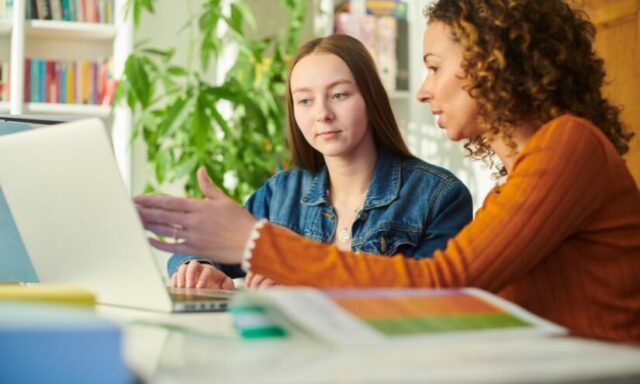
(193,348)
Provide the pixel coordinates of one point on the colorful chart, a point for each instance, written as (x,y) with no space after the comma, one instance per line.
(407,312)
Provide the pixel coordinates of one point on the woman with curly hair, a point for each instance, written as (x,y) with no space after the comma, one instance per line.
(560,237)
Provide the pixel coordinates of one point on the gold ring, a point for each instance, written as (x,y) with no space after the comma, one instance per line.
(176,230)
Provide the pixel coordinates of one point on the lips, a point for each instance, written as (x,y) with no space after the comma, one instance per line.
(436,117)
(328,133)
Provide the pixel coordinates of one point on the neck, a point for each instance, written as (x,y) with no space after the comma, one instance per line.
(507,154)
(349,178)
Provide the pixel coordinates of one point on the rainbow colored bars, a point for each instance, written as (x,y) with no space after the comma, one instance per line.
(419,311)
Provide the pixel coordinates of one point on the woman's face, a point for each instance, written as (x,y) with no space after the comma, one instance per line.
(328,106)
(453,108)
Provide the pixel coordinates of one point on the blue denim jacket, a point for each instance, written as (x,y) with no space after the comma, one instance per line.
(411,207)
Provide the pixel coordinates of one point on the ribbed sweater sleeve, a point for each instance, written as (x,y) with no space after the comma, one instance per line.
(561,237)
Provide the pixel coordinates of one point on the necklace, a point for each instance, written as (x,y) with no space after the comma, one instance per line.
(344,234)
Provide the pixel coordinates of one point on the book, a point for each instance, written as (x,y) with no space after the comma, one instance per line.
(48,293)
(374,316)
(41,343)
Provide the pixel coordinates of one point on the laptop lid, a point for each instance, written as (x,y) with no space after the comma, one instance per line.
(76,219)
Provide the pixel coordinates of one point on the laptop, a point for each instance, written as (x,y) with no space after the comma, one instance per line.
(78,222)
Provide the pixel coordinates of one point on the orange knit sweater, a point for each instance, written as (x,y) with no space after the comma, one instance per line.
(561,239)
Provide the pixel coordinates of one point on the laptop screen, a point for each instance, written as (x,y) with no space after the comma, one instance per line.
(75,217)
(15,265)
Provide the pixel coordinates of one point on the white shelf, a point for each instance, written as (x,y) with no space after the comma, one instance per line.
(5,27)
(69,30)
(103,111)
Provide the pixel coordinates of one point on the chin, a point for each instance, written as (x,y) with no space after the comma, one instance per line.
(455,136)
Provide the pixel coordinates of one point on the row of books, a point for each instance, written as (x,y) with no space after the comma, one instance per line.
(379,35)
(4,81)
(88,11)
(69,82)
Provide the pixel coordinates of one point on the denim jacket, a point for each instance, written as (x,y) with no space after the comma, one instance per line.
(411,207)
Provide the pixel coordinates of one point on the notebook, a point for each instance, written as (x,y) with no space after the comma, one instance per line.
(78,223)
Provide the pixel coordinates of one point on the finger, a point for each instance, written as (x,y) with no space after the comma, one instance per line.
(209,190)
(247,279)
(208,278)
(162,230)
(211,278)
(256,281)
(174,280)
(228,284)
(165,202)
(161,217)
(266,283)
(179,247)
(192,274)
(179,275)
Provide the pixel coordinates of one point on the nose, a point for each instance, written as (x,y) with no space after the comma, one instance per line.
(424,94)
(324,114)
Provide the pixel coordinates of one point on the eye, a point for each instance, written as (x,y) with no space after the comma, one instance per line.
(432,69)
(304,101)
(339,96)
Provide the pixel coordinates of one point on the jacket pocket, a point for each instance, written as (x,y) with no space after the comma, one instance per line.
(391,240)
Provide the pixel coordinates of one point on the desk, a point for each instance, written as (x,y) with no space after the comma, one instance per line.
(193,348)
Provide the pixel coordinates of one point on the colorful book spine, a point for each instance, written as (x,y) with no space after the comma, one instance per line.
(88,11)
(71,71)
(63,82)
(57,81)
(66,10)
(56,9)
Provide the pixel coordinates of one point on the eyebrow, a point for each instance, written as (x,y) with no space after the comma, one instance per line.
(333,84)
(424,57)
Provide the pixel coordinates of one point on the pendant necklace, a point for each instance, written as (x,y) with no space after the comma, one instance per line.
(344,234)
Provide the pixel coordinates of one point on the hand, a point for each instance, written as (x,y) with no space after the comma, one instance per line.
(256,281)
(199,275)
(214,228)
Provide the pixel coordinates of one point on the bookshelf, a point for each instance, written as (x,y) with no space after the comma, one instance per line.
(400,82)
(70,30)
(69,42)
(385,35)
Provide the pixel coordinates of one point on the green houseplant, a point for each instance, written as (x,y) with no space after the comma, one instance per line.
(233,127)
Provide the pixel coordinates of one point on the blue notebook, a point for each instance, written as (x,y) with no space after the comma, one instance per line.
(41,343)
(15,264)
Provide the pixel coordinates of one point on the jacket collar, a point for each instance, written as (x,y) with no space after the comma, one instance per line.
(383,189)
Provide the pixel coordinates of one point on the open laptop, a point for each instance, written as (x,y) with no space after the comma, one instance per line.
(79,224)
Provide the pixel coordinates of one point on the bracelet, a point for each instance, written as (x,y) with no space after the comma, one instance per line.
(251,244)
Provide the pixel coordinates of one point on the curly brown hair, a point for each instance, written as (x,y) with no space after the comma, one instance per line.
(528,61)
